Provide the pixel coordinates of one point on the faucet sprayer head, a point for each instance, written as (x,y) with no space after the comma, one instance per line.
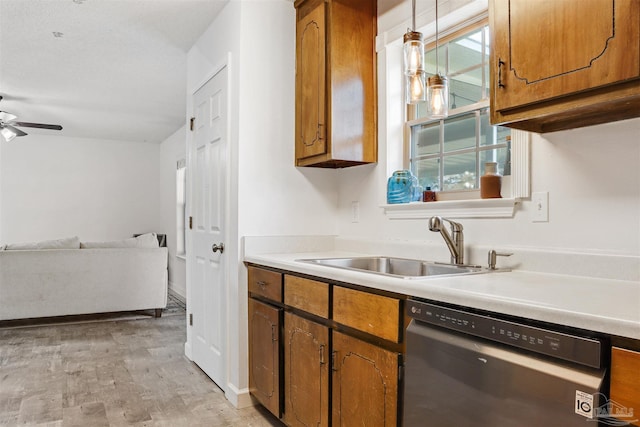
(435,223)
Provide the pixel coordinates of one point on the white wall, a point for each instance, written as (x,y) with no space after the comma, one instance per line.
(172,149)
(275,197)
(54,187)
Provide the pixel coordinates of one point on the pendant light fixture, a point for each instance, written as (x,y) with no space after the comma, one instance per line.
(414,74)
(437,88)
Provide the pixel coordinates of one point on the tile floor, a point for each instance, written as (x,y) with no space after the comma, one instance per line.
(129,372)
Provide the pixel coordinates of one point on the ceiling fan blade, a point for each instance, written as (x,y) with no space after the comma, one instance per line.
(37,125)
(6,117)
(18,132)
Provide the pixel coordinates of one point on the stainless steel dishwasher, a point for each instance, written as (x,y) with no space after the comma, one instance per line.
(467,368)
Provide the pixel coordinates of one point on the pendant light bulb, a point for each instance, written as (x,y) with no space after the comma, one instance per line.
(415,88)
(413,61)
(437,88)
(437,97)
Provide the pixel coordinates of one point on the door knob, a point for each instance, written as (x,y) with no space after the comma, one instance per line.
(216,248)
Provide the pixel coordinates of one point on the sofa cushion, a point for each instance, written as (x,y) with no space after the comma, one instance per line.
(67,243)
(148,240)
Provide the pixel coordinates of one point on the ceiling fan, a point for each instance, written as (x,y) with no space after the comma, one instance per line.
(8,128)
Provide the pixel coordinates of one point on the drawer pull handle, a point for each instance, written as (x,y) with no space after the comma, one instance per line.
(500,64)
(262,284)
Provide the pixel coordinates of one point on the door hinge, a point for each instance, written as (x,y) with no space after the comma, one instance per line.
(190,319)
(190,223)
(192,123)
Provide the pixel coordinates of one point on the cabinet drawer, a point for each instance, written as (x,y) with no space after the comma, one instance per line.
(375,314)
(625,379)
(265,283)
(307,295)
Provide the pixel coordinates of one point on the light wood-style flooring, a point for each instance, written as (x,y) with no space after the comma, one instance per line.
(110,373)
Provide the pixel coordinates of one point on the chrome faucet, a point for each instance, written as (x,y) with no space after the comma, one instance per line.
(455,240)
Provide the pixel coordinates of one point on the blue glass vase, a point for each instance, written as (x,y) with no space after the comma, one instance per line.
(401,187)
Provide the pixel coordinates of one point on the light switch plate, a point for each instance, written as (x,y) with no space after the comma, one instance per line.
(355,211)
(540,201)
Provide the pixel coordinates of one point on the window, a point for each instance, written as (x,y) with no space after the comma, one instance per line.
(450,154)
(181,206)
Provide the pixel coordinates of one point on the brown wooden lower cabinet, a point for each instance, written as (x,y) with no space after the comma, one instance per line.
(264,355)
(625,381)
(365,383)
(306,376)
(306,365)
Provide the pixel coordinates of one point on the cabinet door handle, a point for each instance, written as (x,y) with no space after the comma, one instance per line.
(334,368)
(274,338)
(322,354)
(500,64)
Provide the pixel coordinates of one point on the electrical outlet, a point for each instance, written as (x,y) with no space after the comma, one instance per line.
(540,202)
(355,211)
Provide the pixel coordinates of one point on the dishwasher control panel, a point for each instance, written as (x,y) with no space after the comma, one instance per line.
(586,351)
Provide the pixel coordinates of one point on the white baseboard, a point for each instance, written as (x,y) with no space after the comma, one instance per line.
(239,398)
(187,351)
(178,288)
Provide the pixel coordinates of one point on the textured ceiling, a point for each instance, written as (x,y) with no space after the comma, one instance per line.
(109,69)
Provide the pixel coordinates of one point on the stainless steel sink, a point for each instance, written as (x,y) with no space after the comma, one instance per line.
(397,267)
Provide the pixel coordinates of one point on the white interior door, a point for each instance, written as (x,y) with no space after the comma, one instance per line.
(207,263)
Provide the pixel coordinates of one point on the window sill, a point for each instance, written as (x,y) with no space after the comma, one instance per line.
(476,208)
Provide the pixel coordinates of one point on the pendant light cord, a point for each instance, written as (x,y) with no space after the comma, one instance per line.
(437,60)
(413,15)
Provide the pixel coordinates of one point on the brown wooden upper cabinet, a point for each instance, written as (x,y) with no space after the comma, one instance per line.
(336,122)
(564,64)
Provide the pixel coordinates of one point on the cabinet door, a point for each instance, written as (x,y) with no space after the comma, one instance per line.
(548,49)
(306,376)
(625,384)
(310,82)
(365,383)
(264,355)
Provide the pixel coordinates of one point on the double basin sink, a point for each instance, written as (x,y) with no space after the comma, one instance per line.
(396,267)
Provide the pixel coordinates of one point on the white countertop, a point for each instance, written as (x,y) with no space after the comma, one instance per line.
(602,305)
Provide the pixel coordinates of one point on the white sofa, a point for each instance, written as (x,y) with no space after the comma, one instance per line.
(60,282)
